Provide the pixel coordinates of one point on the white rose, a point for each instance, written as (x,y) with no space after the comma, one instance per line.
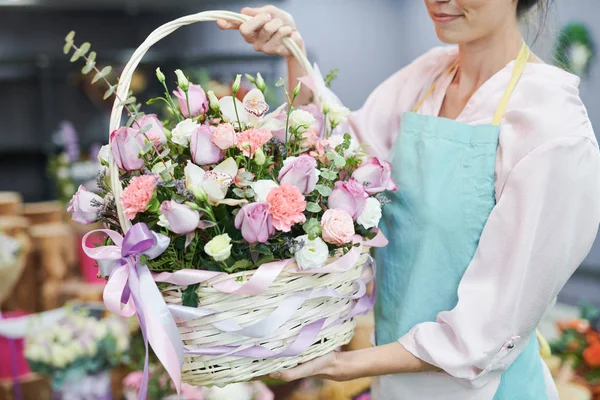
(313,254)
(59,356)
(337,114)
(219,248)
(262,188)
(104,155)
(301,120)
(182,133)
(63,335)
(236,391)
(371,215)
(354,146)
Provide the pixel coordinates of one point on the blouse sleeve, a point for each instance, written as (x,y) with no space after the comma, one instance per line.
(541,229)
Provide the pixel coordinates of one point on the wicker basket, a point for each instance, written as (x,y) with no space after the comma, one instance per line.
(247,310)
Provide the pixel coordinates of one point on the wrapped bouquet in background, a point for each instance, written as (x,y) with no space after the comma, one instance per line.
(78,351)
(238,234)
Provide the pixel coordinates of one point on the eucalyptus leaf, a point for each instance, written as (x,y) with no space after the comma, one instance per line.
(147,147)
(238,192)
(102,74)
(129,100)
(313,207)
(88,68)
(328,174)
(70,36)
(164,153)
(131,120)
(109,92)
(68,46)
(339,161)
(145,129)
(84,48)
(250,193)
(91,56)
(323,190)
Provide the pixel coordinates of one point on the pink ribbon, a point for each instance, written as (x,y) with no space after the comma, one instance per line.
(131,283)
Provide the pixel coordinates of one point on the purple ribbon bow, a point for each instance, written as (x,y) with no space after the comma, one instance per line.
(131,283)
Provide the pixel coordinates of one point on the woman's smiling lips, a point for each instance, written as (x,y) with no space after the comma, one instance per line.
(445,18)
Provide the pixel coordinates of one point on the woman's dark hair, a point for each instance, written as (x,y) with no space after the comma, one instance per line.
(523,6)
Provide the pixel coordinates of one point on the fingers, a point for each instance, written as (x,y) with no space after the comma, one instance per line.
(275,44)
(250,29)
(266,33)
(228,25)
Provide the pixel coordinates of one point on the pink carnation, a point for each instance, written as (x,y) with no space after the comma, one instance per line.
(253,139)
(137,195)
(337,226)
(286,206)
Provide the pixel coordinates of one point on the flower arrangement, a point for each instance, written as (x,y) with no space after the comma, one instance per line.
(78,345)
(160,388)
(233,187)
(578,349)
(217,205)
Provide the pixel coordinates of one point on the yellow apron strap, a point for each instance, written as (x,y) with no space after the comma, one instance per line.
(520,65)
(432,88)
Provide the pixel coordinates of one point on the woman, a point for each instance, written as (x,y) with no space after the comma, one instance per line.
(499,176)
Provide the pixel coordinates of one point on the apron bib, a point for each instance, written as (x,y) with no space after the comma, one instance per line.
(446,173)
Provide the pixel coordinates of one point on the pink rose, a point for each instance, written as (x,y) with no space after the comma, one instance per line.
(350,196)
(156,134)
(255,222)
(224,136)
(137,194)
(178,218)
(337,226)
(203,150)
(286,206)
(126,145)
(300,172)
(376,176)
(85,206)
(253,139)
(197,99)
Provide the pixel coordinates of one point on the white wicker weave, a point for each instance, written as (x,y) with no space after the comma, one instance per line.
(247,310)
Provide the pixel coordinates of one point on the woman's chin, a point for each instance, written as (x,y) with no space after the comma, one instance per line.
(450,36)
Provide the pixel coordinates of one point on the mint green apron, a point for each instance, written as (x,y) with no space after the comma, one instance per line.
(445,173)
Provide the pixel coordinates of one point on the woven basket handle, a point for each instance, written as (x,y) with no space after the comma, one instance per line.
(126,76)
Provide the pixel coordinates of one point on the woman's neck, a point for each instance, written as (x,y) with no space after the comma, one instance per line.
(481,59)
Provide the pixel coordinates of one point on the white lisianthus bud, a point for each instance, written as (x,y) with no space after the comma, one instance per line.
(301,120)
(213,101)
(237,84)
(182,81)
(160,75)
(219,248)
(260,82)
(259,157)
(104,155)
(371,215)
(297,89)
(338,114)
(313,254)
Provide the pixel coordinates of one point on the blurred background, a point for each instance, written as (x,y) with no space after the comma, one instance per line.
(54,121)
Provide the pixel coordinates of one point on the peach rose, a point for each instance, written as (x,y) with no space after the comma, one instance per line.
(337,226)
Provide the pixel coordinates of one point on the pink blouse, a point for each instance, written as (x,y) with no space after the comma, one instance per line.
(543,226)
